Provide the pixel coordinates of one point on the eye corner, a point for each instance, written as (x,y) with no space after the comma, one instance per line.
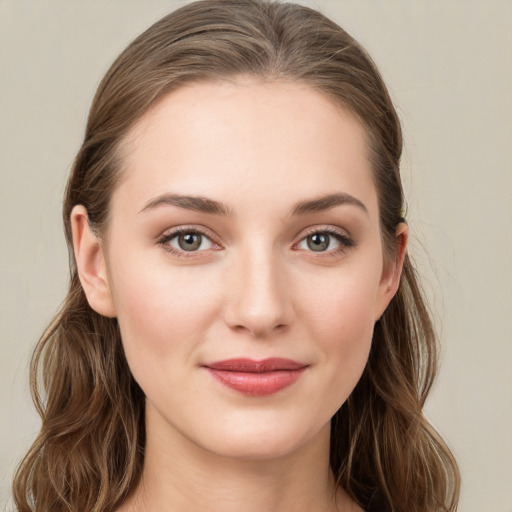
(332,242)
(202,243)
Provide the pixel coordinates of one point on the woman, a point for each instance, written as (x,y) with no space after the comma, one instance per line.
(243,328)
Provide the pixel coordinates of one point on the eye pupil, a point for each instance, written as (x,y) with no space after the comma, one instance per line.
(318,242)
(189,241)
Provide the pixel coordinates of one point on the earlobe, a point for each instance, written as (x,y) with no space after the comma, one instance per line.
(90,262)
(391,275)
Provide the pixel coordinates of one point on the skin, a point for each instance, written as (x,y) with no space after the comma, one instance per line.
(254,289)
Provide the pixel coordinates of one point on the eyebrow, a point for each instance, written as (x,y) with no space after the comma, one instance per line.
(206,205)
(197,203)
(326,203)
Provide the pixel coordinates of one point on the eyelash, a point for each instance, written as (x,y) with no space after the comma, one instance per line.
(165,239)
(346,242)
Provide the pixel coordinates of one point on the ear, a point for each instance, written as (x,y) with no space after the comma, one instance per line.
(90,262)
(390,280)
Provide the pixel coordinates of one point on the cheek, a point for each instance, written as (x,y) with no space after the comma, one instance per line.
(342,306)
(341,320)
(162,312)
(347,337)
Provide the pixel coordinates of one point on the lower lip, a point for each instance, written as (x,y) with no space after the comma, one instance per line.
(257,384)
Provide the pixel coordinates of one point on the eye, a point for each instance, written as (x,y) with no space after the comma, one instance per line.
(319,242)
(322,241)
(186,240)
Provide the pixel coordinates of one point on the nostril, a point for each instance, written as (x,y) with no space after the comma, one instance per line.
(259,330)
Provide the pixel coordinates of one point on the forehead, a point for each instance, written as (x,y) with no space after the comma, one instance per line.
(245,142)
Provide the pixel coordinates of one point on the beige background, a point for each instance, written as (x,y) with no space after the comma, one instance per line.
(448,65)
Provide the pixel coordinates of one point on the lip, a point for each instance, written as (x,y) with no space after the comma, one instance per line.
(256,378)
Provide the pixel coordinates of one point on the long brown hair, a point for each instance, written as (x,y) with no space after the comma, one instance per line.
(90,451)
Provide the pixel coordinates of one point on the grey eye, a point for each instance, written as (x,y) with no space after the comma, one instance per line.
(323,241)
(318,242)
(190,241)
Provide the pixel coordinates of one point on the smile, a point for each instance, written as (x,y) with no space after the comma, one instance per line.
(256,378)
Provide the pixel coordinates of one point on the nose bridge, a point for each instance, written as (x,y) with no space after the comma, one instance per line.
(258,299)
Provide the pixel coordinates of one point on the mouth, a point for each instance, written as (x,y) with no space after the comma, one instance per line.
(256,378)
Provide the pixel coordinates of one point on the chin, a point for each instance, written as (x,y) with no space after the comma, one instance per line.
(253,449)
(261,442)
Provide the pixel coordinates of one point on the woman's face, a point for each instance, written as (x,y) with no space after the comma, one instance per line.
(245,228)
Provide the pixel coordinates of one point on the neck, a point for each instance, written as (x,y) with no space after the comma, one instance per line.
(181,476)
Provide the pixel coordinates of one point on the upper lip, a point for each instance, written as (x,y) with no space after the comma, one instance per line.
(251,366)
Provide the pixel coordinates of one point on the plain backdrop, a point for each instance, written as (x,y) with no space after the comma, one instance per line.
(448,67)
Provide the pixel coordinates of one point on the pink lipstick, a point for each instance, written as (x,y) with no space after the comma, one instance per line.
(256,378)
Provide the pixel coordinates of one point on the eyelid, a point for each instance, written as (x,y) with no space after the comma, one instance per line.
(176,231)
(333,230)
(342,236)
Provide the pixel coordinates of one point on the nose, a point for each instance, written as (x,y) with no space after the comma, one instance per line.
(258,298)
